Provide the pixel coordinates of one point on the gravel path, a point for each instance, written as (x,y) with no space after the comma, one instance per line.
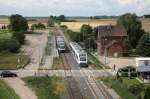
(20,88)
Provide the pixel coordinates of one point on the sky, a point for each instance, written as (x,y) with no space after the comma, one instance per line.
(73,7)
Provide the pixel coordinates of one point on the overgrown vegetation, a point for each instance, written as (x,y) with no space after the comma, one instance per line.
(6,92)
(127,88)
(10,61)
(120,89)
(133,27)
(56,64)
(38,26)
(46,87)
(18,26)
(143,48)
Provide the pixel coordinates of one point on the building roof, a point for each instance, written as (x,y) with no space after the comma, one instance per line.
(109,30)
(143,69)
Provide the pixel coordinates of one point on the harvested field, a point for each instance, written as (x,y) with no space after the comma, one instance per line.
(75,26)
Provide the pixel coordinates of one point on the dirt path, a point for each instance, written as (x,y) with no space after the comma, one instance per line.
(20,88)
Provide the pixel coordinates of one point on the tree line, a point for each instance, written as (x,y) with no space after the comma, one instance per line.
(18,25)
(137,40)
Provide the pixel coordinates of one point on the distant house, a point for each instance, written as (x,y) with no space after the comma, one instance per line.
(110,40)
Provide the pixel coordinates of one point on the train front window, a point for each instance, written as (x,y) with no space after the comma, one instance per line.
(82,57)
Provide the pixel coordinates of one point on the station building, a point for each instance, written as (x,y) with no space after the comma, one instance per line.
(110,40)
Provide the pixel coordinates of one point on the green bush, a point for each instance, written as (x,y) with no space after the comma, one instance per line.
(10,45)
(13,45)
(19,36)
(136,88)
(147,93)
(134,74)
(124,74)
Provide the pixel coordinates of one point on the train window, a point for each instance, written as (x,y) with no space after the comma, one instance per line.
(83,59)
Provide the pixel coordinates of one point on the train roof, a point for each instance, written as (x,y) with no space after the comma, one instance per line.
(77,48)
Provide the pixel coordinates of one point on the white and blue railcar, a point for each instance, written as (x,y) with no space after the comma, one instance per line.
(60,44)
(79,54)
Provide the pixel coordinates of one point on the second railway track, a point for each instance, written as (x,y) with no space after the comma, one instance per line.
(71,84)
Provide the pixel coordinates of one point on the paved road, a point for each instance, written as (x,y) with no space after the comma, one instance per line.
(61,73)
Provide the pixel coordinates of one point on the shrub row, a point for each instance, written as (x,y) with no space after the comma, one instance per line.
(9,45)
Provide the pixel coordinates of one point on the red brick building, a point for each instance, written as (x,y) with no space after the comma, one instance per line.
(110,40)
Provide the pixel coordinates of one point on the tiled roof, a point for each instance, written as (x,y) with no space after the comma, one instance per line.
(109,30)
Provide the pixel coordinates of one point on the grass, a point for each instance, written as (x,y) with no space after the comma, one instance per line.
(6,92)
(56,64)
(46,87)
(120,89)
(5,33)
(129,82)
(10,61)
(95,63)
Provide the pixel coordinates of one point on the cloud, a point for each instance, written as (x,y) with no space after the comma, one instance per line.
(74,7)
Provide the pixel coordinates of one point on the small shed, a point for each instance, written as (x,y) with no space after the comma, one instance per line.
(143,69)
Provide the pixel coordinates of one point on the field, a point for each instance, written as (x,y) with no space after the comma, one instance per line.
(46,87)
(6,92)
(10,61)
(75,26)
(4,21)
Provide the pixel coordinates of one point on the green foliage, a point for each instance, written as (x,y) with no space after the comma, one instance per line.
(44,87)
(54,19)
(61,18)
(133,27)
(136,89)
(147,93)
(10,45)
(86,31)
(90,43)
(13,45)
(38,26)
(120,89)
(143,47)
(127,47)
(18,23)
(20,36)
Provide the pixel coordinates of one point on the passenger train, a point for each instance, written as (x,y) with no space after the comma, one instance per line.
(60,42)
(79,54)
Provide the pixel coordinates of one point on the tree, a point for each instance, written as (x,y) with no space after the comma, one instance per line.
(133,27)
(18,23)
(51,21)
(127,48)
(13,45)
(143,47)
(61,18)
(147,93)
(20,36)
(86,31)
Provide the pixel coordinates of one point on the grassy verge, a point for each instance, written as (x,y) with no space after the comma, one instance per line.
(46,87)
(10,61)
(120,89)
(6,92)
(56,64)
(95,63)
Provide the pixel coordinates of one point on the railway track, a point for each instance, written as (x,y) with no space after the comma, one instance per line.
(97,89)
(71,84)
